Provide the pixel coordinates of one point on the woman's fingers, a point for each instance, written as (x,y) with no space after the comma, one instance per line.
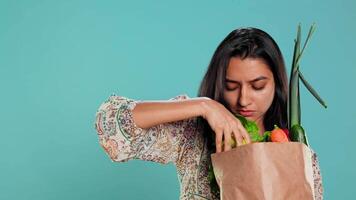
(227,140)
(241,135)
(224,136)
(218,140)
(245,135)
(238,138)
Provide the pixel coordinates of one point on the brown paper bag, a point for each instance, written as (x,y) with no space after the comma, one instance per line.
(265,171)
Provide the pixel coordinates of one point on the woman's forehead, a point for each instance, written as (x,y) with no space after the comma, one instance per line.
(247,69)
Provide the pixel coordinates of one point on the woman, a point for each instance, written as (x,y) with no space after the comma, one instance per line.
(246,76)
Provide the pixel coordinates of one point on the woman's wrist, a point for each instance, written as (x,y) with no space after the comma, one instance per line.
(203,106)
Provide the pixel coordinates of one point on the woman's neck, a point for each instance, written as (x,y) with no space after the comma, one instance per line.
(261,131)
(260,126)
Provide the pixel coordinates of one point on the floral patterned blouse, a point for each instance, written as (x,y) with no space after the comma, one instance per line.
(179,142)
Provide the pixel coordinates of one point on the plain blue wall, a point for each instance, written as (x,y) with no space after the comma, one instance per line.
(60,59)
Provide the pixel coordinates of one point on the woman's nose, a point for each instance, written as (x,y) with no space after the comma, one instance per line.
(244,99)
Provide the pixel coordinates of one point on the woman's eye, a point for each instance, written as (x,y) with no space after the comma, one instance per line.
(258,88)
(231,88)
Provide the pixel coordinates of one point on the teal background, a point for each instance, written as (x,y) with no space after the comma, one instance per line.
(59,60)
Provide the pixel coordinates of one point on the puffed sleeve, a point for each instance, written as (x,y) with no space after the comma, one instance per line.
(123,140)
(318,186)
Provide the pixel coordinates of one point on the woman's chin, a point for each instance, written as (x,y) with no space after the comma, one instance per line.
(250,118)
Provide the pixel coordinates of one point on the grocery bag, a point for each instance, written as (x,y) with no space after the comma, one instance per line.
(265,171)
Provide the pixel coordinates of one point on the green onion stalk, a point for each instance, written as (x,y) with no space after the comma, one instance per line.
(297,132)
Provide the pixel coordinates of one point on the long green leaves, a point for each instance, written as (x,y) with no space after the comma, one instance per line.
(294,97)
(311,31)
(294,110)
(311,90)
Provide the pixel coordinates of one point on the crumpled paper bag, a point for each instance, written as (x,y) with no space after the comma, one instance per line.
(265,171)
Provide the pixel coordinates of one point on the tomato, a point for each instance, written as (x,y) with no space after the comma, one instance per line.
(278,135)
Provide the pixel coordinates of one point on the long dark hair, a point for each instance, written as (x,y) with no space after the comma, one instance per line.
(246,42)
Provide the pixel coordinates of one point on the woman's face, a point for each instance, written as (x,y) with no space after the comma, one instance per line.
(249,87)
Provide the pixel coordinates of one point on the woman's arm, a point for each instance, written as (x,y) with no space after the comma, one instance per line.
(150,113)
(166,128)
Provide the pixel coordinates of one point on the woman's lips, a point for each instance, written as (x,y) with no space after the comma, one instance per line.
(246,113)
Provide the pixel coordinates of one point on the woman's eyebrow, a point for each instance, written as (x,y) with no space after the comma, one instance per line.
(254,80)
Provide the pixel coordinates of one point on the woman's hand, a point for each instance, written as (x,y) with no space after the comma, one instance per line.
(224,124)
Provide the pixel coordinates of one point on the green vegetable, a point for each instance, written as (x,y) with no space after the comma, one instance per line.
(298,134)
(253,130)
(294,111)
(267,136)
(211,177)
